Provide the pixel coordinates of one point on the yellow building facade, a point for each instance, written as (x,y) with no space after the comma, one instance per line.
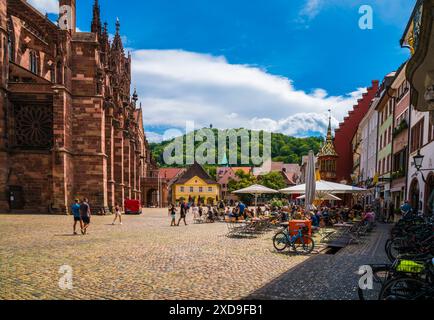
(196,185)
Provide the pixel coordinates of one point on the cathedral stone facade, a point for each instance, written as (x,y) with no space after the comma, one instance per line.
(69,126)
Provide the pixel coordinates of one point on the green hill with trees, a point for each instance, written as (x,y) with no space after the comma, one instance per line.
(283,148)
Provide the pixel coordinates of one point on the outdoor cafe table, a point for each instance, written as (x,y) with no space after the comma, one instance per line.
(342,225)
(344,233)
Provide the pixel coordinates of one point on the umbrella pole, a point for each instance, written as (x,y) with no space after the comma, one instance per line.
(256,203)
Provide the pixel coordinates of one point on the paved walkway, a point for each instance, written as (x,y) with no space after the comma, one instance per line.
(147,259)
(143,259)
(328,277)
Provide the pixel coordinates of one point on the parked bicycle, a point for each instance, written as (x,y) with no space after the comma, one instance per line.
(410,275)
(415,282)
(301,242)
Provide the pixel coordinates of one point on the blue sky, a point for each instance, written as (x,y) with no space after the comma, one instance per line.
(275,64)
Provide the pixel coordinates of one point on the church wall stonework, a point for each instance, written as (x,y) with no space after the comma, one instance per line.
(69,126)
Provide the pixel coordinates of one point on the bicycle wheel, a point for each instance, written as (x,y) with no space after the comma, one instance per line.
(394,248)
(406,289)
(381,274)
(386,246)
(280,241)
(304,245)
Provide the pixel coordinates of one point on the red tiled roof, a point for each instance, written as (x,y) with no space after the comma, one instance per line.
(291,177)
(227,176)
(169,173)
(195,170)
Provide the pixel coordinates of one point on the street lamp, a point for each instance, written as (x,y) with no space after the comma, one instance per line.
(418,163)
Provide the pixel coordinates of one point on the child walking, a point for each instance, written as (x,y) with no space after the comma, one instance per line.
(118,214)
(172,212)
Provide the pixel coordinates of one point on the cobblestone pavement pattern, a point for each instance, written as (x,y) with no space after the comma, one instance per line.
(146,259)
(329,277)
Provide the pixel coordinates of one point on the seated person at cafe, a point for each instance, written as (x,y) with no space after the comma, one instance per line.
(210,215)
(369,216)
(248,214)
(297,215)
(358,208)
(315,220)
(195,212)
(234,213)
(344,214)
(351,216)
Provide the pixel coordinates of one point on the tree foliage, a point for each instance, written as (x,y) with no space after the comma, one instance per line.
(283,148)
(244,180)
(273,180)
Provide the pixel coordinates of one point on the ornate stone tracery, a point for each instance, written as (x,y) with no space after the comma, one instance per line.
(33,126)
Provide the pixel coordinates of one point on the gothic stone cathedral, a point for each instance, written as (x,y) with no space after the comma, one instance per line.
(68,125)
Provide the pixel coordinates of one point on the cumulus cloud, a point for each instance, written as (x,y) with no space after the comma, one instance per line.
(311,8)
(394,12)
(46,6)
(178,86)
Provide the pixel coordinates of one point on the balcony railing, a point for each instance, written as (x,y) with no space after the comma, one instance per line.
(398,174)
(400,128)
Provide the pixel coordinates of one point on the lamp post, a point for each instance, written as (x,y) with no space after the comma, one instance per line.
(418,163)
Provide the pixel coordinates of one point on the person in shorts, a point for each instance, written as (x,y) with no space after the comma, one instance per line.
(118,214)
(85,215)
(76,214)
(172,212)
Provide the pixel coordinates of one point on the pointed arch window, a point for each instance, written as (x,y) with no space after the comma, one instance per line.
(34,62)
(11,41)
(59,73)
(52,75)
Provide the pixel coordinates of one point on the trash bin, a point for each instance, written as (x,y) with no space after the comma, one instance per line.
(295,225)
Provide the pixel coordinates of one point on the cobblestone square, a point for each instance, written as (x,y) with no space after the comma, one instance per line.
(146,259)
(142,259)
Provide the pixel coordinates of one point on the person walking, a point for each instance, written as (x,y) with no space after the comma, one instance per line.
(241,208)
(391,216)
(76,214)
(118,214)
(183,213)
(85,215)
(172,212)
(222,208)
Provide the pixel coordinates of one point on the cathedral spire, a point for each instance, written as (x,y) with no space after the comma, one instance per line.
(329,131)
(96,19)
(117,41)
(328,148)
(118,26)
(135,97)
(105,29)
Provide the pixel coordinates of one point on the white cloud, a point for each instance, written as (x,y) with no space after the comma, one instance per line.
(395,12)
(154,137)
(46,6)
(300,124)
(311,8)
(178,86)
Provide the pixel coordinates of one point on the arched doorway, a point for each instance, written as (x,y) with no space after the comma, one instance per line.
(429,195)
(414,194)
(152,198)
